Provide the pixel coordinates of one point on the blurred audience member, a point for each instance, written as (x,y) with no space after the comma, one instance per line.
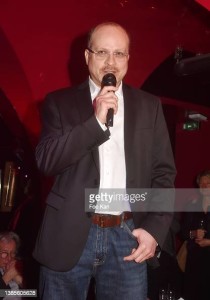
(196,230)
(10,266)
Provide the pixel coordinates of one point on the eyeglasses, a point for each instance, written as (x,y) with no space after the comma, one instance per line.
(5,254)
(103,54)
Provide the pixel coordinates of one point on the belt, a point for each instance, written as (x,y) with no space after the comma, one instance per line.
(105,220)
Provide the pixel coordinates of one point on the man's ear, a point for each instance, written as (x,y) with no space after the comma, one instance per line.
(86,56)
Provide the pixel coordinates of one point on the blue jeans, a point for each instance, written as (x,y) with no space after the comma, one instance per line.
(102,258)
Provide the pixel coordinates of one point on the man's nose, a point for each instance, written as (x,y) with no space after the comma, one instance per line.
(8,259)
(110,59)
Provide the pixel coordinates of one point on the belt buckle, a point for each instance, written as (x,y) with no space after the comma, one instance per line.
(101,221)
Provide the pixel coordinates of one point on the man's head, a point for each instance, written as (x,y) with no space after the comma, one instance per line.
(107,52)
(9,245)
(203,181)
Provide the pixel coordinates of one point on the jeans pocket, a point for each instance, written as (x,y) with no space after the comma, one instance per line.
(128,228)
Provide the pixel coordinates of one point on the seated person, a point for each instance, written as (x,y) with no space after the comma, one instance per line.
(10,271)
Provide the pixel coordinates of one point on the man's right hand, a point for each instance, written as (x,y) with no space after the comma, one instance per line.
(106,99)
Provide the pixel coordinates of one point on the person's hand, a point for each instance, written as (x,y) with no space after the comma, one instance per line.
(146,248)
(11,272)
(203,242)
(106,99)
(19,268)
(18,279)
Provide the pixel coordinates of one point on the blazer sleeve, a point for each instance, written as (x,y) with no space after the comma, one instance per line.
(65,140)
(3,286)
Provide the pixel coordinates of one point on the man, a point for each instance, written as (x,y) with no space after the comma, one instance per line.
(81,152)
(10,276)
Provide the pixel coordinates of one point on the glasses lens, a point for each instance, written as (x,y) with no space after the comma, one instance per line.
(120,55)
(102,54)
(5,254)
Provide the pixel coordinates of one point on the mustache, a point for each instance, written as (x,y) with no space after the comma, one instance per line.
(110,70)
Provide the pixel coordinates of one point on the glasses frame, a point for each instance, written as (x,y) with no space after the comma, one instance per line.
(12,255)
(107,53)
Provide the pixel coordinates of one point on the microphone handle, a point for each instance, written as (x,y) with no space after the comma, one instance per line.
(109,79)
(109,117)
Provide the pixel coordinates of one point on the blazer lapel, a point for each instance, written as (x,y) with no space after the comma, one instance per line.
(129,129)
(84,102)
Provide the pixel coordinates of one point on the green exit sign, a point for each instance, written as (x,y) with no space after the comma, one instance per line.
(191,125)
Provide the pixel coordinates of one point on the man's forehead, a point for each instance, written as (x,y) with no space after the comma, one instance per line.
(108,32)
(205,178)
(7,245)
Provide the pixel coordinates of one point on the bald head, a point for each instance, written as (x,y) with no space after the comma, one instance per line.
(96,29)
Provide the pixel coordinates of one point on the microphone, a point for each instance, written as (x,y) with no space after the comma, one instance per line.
(109,79)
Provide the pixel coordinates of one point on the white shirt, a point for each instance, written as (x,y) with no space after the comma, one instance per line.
(112,156)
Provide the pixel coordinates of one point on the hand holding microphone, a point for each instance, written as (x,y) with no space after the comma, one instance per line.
(106,101)
(109,80)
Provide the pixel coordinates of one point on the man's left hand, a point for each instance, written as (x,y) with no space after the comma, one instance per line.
(146,248)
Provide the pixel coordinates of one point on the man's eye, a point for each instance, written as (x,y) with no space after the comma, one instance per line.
(119,54)
(102,53)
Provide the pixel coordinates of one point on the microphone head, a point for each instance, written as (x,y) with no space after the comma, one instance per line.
(109,79)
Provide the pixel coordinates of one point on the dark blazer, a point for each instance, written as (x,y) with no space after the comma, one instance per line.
(68,150)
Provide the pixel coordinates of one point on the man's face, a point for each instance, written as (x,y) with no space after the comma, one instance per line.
(7,252)
(204,185)
(110,39)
